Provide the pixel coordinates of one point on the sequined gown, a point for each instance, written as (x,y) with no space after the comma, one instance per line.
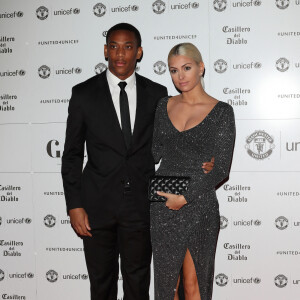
(196,225)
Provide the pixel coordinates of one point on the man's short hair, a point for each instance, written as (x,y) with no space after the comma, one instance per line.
(128,27)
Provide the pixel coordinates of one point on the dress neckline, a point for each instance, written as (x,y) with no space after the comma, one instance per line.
(193,126)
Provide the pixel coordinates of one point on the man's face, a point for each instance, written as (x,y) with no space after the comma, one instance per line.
(122,52)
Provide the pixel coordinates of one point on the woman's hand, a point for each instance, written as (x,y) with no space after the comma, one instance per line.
(174,202)
(208,166)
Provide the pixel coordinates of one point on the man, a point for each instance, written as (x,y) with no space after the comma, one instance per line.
(107,202)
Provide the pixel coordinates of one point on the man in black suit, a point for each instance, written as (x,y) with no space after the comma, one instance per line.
(107,201)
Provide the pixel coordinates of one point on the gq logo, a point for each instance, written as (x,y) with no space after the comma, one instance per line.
(44,71)
(221,279)
(220,66)
(49,221)
(281,281)
(50,149)
(282,64)
(223,222)
(282,4)
(42,13)
(159,7)
(52,276)
(282,223)
(220,5)
(100,68)
(259,145)
(159,67)
(99,10)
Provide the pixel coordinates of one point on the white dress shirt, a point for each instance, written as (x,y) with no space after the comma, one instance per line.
(130,89)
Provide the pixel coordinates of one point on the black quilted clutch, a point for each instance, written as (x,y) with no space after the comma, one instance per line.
(168,184)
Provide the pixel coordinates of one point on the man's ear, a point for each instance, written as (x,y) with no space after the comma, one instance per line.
(105,51)
(139,52)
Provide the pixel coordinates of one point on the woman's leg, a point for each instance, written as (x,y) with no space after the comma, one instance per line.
(190,281)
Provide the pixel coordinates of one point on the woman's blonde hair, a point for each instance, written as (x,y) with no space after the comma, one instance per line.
(186,49)
(189,50)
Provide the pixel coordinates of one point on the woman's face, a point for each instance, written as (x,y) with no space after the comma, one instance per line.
(185,72)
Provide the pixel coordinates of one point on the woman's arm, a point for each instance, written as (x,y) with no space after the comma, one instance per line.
(157,143)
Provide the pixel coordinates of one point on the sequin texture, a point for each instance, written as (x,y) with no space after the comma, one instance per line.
(196,225)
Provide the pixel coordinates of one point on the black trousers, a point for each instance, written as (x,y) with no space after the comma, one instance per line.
(127,235)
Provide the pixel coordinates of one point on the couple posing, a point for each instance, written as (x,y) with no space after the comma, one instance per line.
(128,124)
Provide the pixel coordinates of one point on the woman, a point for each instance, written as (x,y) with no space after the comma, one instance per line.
(189,129)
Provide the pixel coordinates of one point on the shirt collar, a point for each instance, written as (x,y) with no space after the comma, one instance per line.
(114,80)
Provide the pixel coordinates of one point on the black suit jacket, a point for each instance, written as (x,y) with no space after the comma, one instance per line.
(93,120)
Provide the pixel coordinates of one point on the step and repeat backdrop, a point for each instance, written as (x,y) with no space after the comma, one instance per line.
(251,52)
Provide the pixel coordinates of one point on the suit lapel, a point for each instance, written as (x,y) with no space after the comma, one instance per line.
(141,110)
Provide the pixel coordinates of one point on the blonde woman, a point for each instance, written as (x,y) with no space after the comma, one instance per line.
(189,129)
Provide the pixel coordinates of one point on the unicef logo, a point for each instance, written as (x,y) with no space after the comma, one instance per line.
(159,67)
(159,7)
(282,4)
(195,5)
(52,276)
(223,222)
(259,145)
(281,281)
(282,64)
(76,11)
(282,223)
(44,71)
(257,280)
(30,275)
(257,2)
(28,221)
(49,221)
(0,221)
(42,13)
(220,66)
(84,276)
(134,8)
(2,275)
(78,70)
(22,72)
(220,5)
(257,222)
(257,65)
(20,14)
(104,33)
(221,279)
(99,10)
(100,68)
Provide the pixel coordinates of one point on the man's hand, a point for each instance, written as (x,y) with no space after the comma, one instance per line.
(208,166)
(80,222)
(174,202)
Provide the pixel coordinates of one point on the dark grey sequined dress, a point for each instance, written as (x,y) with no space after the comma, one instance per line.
(196,225)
